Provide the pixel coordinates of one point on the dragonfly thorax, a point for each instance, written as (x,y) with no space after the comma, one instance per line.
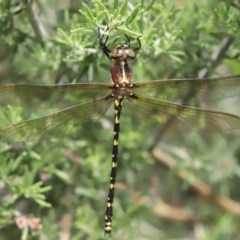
(121,92)
(121,72)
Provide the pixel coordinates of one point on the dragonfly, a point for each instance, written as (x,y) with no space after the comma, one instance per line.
(82,101)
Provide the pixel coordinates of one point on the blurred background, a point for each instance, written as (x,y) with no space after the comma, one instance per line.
(170,185)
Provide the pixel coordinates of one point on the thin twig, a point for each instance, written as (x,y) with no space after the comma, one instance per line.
(38,27)
(197,185)
(217,58)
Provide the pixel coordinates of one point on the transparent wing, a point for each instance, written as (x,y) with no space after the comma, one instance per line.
(50,97)
(189,118)
(56,124)
(173,89)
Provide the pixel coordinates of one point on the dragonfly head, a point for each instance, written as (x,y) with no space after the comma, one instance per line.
(123,52)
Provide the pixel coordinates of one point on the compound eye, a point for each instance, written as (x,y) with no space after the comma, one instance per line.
(114,54)
(130,53)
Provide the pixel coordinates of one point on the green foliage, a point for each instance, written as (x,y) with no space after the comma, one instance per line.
(63,182)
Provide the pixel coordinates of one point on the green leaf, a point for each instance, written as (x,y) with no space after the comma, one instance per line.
(87,14)
(81,29)
(129,32)
(42,203)
(102,6)
(115,5)
(65,38)
(25,233)
(123,8)
(62,175)
(133,14)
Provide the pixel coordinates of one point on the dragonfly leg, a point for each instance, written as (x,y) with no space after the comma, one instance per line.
(128,42)
(103,43)
(139,44)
